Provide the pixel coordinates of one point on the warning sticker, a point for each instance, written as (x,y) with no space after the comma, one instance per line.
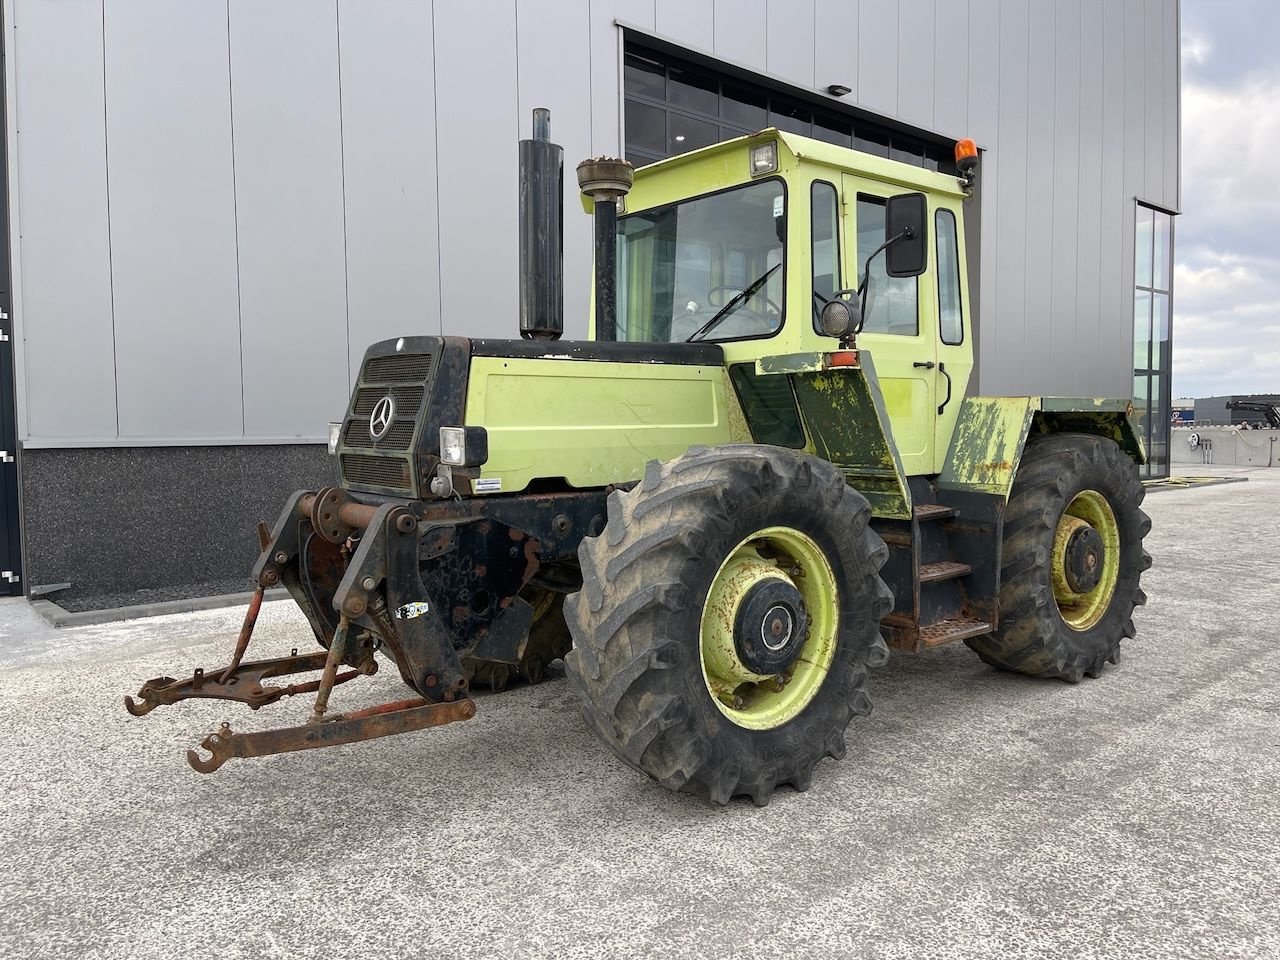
(411,611)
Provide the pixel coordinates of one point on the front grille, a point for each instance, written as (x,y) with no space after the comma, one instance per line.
(408,400)
(397,438)
(398,367)
(375,471)
(388,463)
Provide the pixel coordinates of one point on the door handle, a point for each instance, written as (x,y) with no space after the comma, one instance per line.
(943,370)
(923,364)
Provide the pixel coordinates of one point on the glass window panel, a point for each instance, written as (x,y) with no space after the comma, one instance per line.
(646,128)
(906,152)
(679,265)
(1161,254)
(1142,247)
(644,77)
(791,117)
(689,134)
(1141,330)
(744,107)
(835,130)
(694,90)
(950,323)
(826,245)
(871,141)
(891,301)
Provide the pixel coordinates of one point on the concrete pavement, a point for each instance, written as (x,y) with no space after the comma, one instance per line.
(978,814)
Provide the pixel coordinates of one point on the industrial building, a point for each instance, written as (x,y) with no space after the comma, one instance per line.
(214,206)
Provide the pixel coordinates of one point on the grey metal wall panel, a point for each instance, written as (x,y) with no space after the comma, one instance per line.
(1002,331)
(173,243)
(288,176)
(1032,338)
(62,262)
(983,120)
(476,131)
(741,32)
(1115,286)
(389,171)
(692,22)
(790,41)
(835,45)
(1170,92)
(916,62)
(1064,263)
(1087,319)
(606,68)
(878,56)
(1153,101)
(563,85)
(951,65)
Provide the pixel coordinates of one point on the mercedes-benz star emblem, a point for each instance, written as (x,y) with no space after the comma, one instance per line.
(384,411)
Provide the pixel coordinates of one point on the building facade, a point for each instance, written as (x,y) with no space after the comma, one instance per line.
(214,206)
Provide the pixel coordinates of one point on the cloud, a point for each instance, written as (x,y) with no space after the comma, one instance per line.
(1226,334)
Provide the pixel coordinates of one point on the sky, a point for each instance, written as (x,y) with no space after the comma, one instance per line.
(1226,329)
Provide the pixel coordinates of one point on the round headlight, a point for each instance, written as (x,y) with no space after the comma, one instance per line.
(839,317)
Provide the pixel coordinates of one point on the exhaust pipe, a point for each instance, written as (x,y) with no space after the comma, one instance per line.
(604,180)
(541,233)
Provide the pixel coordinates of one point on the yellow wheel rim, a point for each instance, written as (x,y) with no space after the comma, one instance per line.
(749,699)
(1087,512)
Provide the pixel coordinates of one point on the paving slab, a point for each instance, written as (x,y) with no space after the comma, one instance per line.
(978,814)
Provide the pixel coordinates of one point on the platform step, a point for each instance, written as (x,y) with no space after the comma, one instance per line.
(943,570)
(946,631)
(932,511)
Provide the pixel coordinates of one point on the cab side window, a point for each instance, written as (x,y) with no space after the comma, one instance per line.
(950,315)
(825,205)
(891,303)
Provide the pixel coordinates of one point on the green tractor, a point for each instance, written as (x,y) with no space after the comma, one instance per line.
(763,464)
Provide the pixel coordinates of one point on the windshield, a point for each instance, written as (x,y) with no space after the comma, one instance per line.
(679,266)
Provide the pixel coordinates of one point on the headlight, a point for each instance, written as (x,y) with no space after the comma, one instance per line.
(464,446)
(335,431)
(453,445)
(764,158)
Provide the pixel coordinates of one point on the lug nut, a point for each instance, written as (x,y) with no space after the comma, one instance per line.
(282,557)
(368,583)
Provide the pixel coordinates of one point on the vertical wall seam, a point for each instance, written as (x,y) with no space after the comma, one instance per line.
(111,273)
(342,185)
(591,76)
(235,222)
(435,137)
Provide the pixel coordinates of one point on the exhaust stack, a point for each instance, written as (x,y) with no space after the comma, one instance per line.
(541,233)
(604,180)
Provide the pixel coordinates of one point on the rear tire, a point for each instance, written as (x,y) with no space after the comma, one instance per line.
(640,623)
(1065,484)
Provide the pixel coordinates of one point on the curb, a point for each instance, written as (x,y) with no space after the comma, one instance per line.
(1190,483)
(59,617)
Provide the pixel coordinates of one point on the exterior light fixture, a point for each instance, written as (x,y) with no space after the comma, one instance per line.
(839,90)
(764,158)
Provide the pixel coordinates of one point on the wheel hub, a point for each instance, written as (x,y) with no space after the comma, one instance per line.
(1082,561)
(770,627)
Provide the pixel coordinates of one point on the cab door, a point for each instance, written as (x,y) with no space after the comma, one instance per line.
(899,329)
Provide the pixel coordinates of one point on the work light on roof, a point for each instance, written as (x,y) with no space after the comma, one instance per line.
(764,158)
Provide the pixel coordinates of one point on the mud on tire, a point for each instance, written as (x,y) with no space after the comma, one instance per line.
(636,661)
(1033,637)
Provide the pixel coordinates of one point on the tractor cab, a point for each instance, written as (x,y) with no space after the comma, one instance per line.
(743,243)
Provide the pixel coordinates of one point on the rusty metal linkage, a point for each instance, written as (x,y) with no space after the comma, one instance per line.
(381,721)
(242,682)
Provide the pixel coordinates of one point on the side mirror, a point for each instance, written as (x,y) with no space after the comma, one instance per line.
(906,234)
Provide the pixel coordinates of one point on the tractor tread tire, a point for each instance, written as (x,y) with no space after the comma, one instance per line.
(1032,638)
(636,662)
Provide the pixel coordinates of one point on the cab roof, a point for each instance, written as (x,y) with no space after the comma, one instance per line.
(795,151)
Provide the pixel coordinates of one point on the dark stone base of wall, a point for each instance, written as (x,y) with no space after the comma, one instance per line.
(130,525)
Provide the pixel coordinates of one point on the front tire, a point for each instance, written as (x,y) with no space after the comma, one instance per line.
(1072,560)
(675,673)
